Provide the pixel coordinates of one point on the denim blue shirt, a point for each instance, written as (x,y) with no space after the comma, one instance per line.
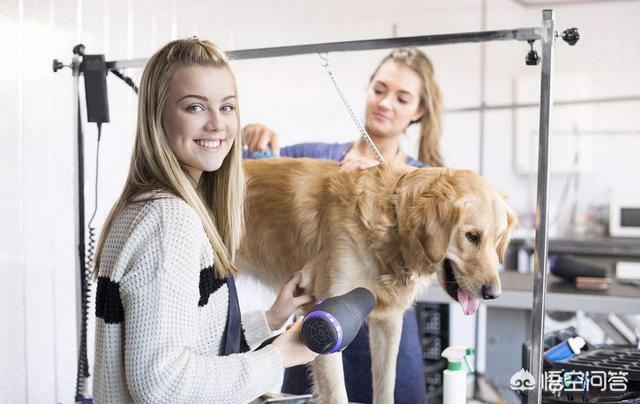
(328,151)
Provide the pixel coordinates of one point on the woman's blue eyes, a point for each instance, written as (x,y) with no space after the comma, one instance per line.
(195,108)
(200,108)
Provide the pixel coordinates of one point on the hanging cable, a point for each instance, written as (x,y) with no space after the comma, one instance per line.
(91,247)
(126,79)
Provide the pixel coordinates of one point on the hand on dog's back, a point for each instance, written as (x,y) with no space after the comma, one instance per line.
(290,299)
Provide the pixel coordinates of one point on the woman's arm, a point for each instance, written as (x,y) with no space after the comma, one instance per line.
(261,139)
(256,328)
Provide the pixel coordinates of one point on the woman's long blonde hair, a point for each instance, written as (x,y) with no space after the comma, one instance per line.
(430,102)
(219,195)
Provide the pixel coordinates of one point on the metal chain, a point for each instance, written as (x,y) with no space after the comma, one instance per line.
(363,131)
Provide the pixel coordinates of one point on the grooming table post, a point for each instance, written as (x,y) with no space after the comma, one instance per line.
(81,286)
(542,215)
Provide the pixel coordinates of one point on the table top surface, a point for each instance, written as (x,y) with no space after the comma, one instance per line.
(619,247)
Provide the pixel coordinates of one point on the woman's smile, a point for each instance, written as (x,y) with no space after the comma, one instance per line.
(210,145)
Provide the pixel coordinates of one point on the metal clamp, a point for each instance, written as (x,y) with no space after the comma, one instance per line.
(571,36)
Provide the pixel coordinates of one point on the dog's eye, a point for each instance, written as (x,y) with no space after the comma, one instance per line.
(474,238)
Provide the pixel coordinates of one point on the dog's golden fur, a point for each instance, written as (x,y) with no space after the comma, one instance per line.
(341,231)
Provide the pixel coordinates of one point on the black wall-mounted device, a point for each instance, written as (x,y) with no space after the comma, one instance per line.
(94,69)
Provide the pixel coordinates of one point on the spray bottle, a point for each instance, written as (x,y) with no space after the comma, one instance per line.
(455,376)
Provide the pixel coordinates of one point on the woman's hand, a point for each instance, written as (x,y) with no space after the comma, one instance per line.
(292,350)
(259,138)
(287,302)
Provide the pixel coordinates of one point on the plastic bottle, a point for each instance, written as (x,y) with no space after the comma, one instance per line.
(565,349)
(455,376)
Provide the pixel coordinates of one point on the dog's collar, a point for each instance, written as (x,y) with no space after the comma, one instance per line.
(405,270)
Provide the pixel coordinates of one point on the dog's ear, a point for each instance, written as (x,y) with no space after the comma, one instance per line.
(440,213)
(512,221)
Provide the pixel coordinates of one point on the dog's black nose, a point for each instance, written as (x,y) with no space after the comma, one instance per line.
(491,292)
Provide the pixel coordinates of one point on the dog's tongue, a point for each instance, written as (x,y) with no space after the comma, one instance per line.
(468,302)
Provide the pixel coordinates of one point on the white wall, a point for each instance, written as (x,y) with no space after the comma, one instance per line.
(293,95)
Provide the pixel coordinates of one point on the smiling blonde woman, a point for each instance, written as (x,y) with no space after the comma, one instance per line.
(168,326)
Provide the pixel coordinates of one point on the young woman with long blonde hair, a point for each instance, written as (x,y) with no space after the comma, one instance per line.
(168,326)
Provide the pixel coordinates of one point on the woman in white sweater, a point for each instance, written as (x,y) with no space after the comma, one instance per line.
(168,326)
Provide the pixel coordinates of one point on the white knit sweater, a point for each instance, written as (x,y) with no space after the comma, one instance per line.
(161,316)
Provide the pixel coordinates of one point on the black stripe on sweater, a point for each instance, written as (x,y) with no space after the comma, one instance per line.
(108,303)
(209,283)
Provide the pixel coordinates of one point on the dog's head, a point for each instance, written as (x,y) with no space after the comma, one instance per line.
(463,226)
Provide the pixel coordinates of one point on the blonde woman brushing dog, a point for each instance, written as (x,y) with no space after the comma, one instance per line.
(168,325)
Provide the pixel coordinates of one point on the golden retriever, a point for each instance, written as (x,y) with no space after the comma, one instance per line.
(386,228)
